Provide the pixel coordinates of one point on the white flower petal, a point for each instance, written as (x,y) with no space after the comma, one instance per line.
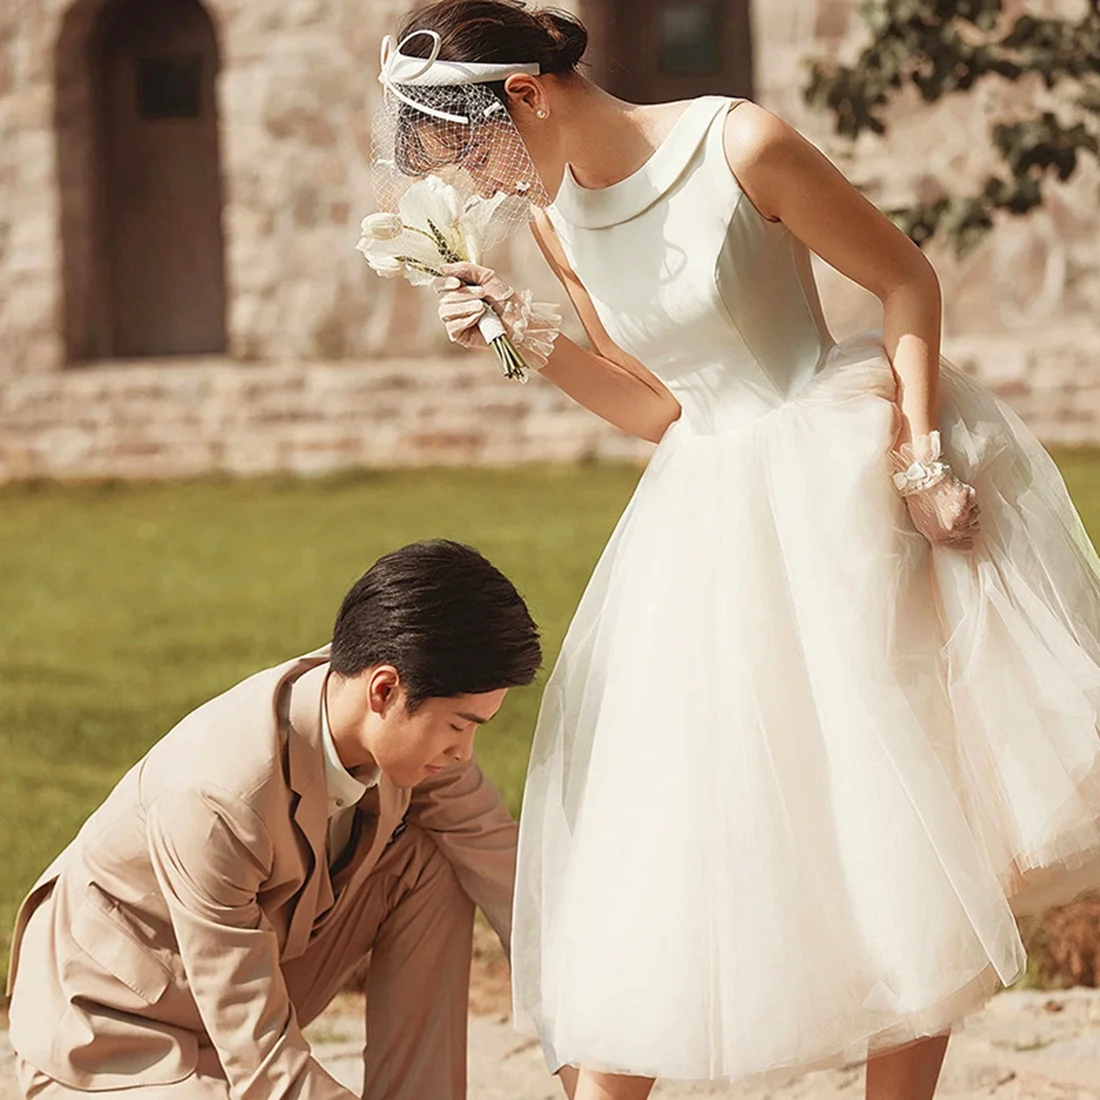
(382,226)
(486,221)
(420,278)
(409,244)
(430,199)
(390,269)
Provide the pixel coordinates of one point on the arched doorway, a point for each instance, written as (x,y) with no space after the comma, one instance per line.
(138,156)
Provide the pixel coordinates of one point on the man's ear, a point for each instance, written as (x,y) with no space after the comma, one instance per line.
(383,688)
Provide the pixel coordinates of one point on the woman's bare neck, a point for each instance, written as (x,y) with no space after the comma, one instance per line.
(606,139)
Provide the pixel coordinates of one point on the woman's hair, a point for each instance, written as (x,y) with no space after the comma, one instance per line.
(447,619)
(498,32)
(489,31)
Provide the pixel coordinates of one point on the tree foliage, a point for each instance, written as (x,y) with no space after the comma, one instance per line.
(946,47)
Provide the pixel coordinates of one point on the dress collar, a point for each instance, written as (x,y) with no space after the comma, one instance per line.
(598,207)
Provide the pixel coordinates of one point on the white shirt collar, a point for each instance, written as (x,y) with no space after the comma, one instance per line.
(344,789)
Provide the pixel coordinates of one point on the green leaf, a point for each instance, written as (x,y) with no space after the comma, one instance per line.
(946,48)
(449,253)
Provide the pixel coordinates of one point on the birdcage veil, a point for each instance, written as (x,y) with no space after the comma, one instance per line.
(444,119)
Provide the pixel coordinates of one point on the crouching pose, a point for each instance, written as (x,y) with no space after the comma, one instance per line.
(241,871)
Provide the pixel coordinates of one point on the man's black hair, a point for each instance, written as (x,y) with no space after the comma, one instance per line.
(446,618)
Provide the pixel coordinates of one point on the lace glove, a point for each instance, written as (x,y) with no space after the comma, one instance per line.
(943,508)
(466,291)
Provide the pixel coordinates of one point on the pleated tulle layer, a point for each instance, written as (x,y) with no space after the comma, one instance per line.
(795,770)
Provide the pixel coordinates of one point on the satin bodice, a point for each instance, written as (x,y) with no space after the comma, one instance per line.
(687,276)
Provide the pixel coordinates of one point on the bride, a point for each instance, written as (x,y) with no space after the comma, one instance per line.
(826,720)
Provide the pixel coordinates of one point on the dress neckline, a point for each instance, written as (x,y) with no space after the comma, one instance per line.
(598,207)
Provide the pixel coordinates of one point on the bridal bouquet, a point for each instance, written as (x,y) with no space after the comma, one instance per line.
(431,227)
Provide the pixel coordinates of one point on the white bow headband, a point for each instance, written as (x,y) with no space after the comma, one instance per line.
(399,69)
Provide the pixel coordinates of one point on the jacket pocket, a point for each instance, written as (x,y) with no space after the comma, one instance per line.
(99,930)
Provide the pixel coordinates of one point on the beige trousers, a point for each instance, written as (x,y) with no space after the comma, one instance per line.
(417,922)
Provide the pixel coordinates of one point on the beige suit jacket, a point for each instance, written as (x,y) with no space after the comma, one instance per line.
(204,869)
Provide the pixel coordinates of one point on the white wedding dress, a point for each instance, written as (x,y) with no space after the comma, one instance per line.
(795,770)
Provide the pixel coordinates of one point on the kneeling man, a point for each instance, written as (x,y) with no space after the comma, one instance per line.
(239,873)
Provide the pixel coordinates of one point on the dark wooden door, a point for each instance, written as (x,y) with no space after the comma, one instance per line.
(163,180)
(656,51)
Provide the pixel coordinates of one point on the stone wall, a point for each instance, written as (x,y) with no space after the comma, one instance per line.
(296,87)
(1031,291)
(30,336)
(361,362)
(297,80)
(151,421)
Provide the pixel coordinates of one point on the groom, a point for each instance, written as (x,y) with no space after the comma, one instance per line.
(241,871)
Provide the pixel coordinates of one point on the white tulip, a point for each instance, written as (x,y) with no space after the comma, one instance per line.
(387,266)
(382,226)
(434,199)
(430,229)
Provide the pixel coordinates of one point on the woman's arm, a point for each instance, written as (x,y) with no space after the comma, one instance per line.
(787,179)
(612,384)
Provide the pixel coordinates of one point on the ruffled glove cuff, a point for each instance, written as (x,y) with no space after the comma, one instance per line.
(912,474)
(466,291)
(533,327)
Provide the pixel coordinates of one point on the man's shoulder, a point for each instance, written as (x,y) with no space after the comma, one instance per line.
(235,741)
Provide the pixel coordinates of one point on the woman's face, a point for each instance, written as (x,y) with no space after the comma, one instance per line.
(497,160)
(494,155)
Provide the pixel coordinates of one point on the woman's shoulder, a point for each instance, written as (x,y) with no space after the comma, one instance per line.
(760,148)
(752,131)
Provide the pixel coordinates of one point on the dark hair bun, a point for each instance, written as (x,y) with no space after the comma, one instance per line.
(568,39)
(500,31)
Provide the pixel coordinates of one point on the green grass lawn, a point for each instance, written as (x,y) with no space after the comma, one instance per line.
(123,607)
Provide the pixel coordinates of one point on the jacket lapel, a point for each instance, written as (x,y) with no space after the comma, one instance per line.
(307,780)
(392,804)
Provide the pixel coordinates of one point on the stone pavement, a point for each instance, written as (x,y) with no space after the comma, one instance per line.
(1026,1045)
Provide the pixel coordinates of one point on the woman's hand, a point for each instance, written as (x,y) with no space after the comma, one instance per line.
(944,509)
(467,290)
(947,513)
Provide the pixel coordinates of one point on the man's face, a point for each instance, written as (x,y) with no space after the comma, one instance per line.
(410,747)
(370,721)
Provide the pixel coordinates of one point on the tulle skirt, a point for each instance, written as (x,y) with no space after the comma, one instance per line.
(796,771)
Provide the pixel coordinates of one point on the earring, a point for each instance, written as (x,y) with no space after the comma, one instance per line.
(541,114)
